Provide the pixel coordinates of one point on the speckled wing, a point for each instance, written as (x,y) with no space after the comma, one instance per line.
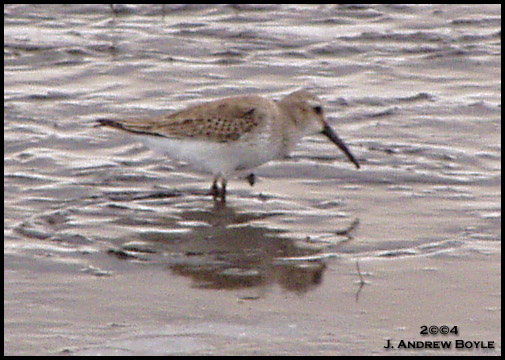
(221,121)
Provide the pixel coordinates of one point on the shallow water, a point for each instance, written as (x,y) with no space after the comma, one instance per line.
(414,90)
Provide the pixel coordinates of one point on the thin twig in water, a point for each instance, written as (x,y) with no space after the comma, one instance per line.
(362,281)
(347,232)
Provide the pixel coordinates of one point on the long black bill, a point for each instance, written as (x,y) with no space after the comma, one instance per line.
(328,131)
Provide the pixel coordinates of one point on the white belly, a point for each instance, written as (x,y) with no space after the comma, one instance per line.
(217,158)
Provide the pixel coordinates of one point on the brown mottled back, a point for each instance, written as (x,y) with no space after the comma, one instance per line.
(220,121)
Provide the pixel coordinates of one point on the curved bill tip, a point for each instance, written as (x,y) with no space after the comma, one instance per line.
(328,131)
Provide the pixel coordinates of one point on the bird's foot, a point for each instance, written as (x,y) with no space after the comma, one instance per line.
(251,179)
(217,193)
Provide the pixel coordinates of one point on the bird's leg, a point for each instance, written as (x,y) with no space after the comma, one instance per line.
(223,190)
(251,178)
(214,190)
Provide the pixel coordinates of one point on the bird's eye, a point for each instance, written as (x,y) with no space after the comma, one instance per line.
(318,109)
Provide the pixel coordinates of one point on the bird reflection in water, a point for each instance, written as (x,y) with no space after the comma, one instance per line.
(220,248)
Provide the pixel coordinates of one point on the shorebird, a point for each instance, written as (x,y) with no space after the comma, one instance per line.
(234,135)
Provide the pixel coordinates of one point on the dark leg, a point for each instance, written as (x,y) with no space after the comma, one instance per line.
(223,190)
(214,190)
(251,179)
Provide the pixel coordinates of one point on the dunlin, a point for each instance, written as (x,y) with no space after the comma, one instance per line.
(233,135)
